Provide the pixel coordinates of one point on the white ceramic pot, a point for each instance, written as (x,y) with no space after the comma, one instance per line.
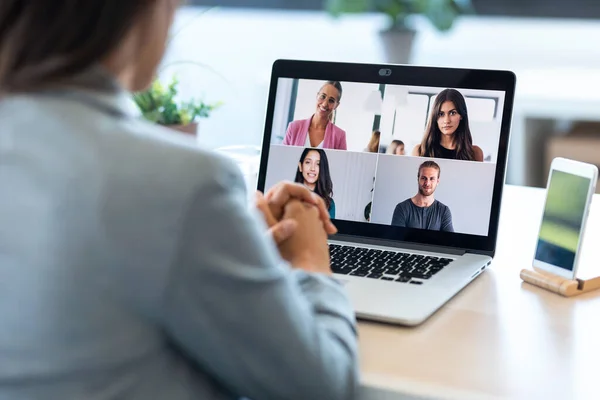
(397,45)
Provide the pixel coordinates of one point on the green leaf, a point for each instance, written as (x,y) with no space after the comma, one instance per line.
(337,7)
(441,13)
(158,105)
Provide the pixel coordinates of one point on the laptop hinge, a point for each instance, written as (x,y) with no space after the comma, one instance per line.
(398,244)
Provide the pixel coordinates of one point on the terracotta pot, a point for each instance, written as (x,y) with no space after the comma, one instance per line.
(190,129)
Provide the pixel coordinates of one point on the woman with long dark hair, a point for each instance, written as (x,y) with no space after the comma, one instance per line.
(447,134)
(131,264)
(313,172)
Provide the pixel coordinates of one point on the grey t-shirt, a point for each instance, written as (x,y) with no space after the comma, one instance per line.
(435,217)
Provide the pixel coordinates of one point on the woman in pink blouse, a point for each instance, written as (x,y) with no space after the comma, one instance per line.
(319,131)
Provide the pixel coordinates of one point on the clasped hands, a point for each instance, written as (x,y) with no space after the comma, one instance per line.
(299,224)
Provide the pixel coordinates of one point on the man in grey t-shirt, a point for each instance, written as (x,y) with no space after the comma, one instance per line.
(423,211)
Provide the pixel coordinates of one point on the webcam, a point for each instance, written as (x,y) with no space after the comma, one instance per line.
(385,72)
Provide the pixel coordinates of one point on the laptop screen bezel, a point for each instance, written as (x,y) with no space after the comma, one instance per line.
(411,76)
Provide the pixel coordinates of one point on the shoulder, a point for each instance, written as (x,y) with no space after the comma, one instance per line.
(161,162)
(179,154)
(299,122)
(442,207)
(337,130)
(404,204)
(416,150)
(332,205)
(478,153)
(129,155)
(295,127)
(197,181)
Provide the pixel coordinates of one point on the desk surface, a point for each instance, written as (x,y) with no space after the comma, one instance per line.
(499,337)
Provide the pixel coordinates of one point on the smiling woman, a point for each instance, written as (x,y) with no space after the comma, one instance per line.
(319,130)
(313,172)
(448,134)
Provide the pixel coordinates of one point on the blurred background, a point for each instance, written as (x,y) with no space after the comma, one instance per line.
(222,51)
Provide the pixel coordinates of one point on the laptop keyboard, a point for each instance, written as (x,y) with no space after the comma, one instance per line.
(385,265)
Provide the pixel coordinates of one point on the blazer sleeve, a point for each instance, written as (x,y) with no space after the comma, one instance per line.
(342,141)
(263,330)
(287,140)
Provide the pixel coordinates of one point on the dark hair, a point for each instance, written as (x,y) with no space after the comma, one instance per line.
(44,41)
(429,164)
(430,146)
(324,186)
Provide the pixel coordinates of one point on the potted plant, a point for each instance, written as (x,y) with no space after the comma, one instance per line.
(158,104)
(398,36)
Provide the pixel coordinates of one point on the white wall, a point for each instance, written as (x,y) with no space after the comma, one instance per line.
(350,114)
(352,117)
(352,175)
(411,118)
(409,124)
(466,187)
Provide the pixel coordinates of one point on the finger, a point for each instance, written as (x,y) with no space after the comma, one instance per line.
(281,194)
(283,230)
(263,207)
(296,209)
(324,215)
(330,228)
(313,211)
(284,191)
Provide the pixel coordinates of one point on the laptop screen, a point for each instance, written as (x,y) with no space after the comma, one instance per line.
(421,158)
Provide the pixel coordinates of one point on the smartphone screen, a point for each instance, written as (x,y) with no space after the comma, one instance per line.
(562,220)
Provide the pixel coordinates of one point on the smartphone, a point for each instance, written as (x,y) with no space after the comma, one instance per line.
(571,186)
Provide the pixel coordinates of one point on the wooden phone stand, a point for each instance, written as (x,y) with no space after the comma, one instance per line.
(557,284)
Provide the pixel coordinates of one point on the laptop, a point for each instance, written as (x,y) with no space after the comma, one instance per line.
(410,161)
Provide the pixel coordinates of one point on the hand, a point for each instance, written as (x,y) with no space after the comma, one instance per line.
(282,193)
(307,248)
(280,231)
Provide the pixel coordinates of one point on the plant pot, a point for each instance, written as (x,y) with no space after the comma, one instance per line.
(397,45)
(189,129)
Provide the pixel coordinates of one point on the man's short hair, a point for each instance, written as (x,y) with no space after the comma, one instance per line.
(429,164)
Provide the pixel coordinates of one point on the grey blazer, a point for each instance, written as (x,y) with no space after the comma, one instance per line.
(132,268)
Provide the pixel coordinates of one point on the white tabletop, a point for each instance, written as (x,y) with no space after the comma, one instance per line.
(499,337)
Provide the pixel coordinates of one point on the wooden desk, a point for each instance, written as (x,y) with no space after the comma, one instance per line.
(499,338)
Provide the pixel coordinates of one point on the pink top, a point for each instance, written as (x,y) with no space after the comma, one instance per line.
(297,131)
